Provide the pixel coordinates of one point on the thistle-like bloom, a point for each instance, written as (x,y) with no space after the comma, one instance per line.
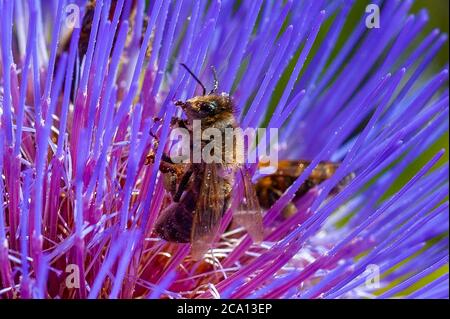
(78,202)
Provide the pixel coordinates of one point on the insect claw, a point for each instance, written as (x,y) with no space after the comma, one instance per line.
(153,135)
(179,103)
(150,158)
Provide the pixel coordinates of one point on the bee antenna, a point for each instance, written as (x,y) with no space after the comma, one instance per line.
(195,77)
(216,81)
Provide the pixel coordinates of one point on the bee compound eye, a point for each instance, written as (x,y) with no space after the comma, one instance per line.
(208,107)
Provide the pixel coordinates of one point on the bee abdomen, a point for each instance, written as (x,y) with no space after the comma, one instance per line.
(175,222)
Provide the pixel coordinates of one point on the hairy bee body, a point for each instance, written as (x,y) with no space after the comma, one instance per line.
(176,221)
(270,188)
(202,192)
(189,184)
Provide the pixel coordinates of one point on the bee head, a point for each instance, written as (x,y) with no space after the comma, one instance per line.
(205,106)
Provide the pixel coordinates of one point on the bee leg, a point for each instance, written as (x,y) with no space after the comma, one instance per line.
(172,177)
(178,122)
(167,167)
(150,158)
(156,138)
(152,154)
(174,121)
(156,119)
(183,185)
(164,159)
(179,103)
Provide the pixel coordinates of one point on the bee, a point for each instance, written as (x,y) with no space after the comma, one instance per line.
(202,192)
(269,188)
(86,27)
(85,33)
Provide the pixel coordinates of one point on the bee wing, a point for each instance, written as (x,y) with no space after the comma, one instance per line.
(248,214)
(208,211)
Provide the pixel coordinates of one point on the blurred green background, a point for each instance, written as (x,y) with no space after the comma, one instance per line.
(438,11)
